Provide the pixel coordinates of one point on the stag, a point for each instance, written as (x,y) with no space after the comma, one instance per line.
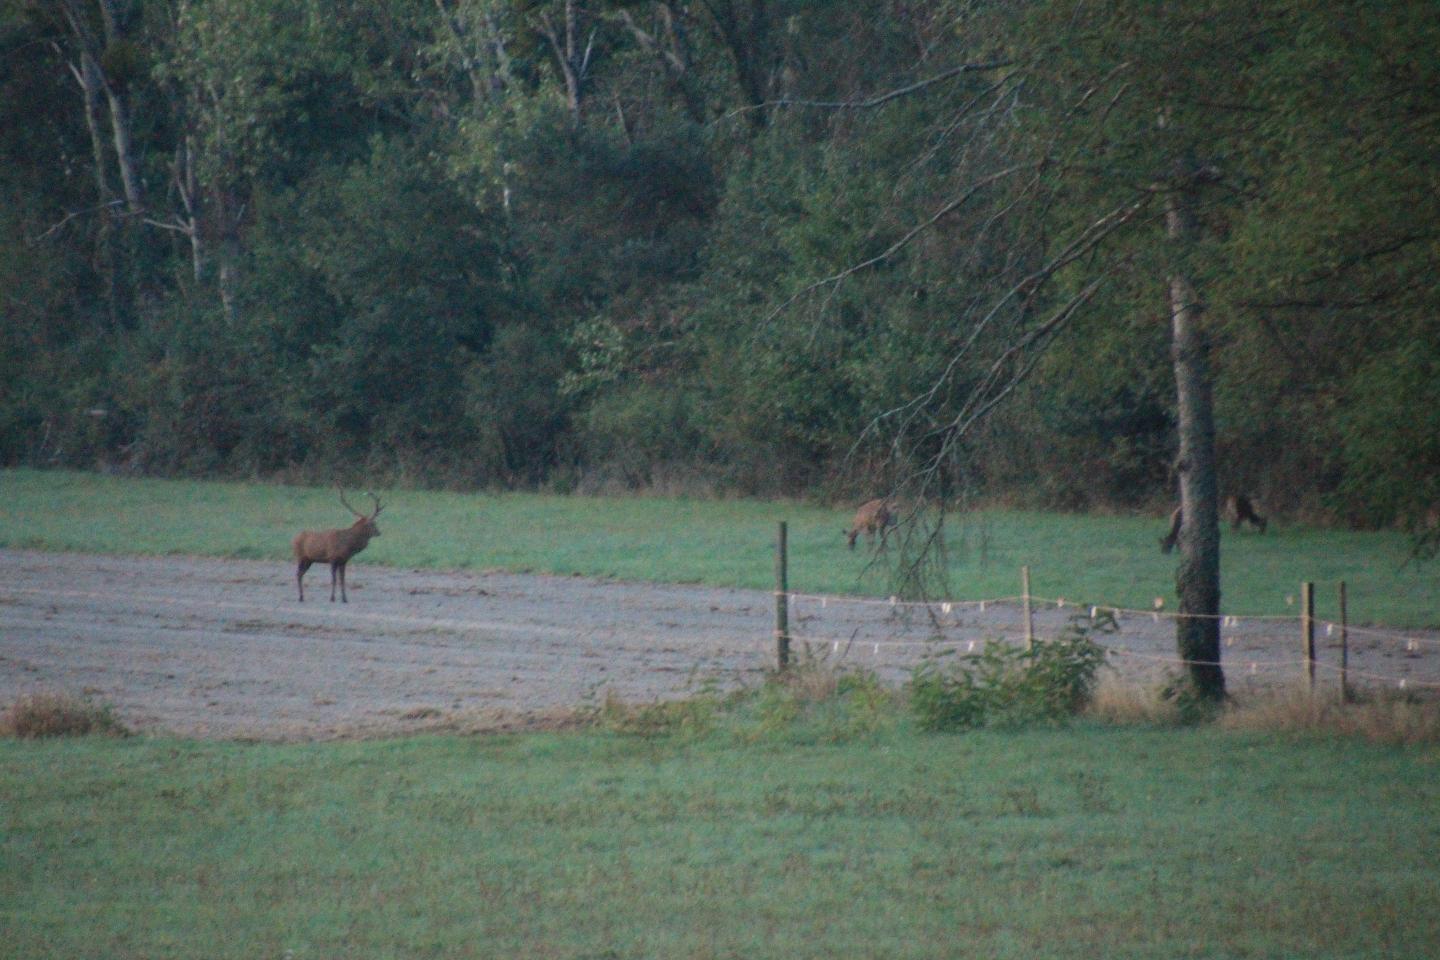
(334,547)
(1237,509)
(873,517)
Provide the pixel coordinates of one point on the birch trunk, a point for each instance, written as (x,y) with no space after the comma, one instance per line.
(1197,579)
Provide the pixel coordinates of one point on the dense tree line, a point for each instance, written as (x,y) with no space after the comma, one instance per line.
(759,245)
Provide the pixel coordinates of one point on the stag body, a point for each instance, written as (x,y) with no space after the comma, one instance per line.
(1238,509)
(873,517)
(334,547)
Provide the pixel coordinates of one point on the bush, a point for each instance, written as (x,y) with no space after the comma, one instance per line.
(59,715)
(1005,685)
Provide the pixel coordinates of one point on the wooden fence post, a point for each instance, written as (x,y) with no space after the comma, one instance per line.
(1025,599)
(782,601)
(1307,629)
(1344,648)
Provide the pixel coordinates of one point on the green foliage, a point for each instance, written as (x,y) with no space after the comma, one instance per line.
(1006,685)
(1394,406)
(388,327)
(377,239)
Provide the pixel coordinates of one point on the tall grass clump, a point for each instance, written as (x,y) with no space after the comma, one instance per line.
(815,701)
(1004,685)
(39,715)
(810,702)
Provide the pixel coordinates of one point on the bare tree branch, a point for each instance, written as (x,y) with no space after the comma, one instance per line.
(878,100)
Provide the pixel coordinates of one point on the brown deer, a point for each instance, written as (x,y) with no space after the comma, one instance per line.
(334,547)
(1237,509)
(873,517)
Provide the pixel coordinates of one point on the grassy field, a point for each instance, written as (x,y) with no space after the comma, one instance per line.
(778,826)
(1089,559)
(1088,842)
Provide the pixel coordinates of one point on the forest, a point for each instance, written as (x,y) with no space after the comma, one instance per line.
(811,248)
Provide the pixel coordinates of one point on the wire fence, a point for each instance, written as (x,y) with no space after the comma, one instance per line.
(893,636)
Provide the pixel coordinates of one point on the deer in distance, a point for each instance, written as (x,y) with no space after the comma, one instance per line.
(334,547)
(873,517)
(1237,509)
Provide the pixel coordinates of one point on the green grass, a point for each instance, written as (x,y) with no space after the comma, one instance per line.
(1089,559)
(1087,842)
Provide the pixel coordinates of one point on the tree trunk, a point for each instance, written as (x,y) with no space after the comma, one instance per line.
(1197,579)
(115,16)
(124,150)
(87,75)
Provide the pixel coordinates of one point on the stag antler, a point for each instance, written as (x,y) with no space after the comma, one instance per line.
(357,513)
(347,502)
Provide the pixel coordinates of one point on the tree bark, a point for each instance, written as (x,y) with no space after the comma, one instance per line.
(1197,579)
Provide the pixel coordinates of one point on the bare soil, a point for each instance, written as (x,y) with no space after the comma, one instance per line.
(222,649)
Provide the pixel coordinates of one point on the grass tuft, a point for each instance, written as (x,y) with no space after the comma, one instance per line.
(39,715)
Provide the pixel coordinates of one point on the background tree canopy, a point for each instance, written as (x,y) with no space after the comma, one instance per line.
(769,246)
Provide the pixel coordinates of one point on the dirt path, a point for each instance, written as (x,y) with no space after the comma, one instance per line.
(221,648)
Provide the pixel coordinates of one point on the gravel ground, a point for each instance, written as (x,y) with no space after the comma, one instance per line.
(222,649)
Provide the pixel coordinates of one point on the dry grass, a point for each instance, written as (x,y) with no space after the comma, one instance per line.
(1377,718)
(1127,704)
(58,715)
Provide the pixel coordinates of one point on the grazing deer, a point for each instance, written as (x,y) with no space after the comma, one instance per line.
(873,517)
(1238,509)
(334,547)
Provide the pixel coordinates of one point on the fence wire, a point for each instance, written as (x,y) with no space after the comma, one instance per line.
(893,636)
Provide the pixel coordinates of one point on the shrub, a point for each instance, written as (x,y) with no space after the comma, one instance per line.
(59,715)
(1005,685)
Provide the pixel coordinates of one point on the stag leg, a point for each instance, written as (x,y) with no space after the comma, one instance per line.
(333,568)
(343,598)
(300,569)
